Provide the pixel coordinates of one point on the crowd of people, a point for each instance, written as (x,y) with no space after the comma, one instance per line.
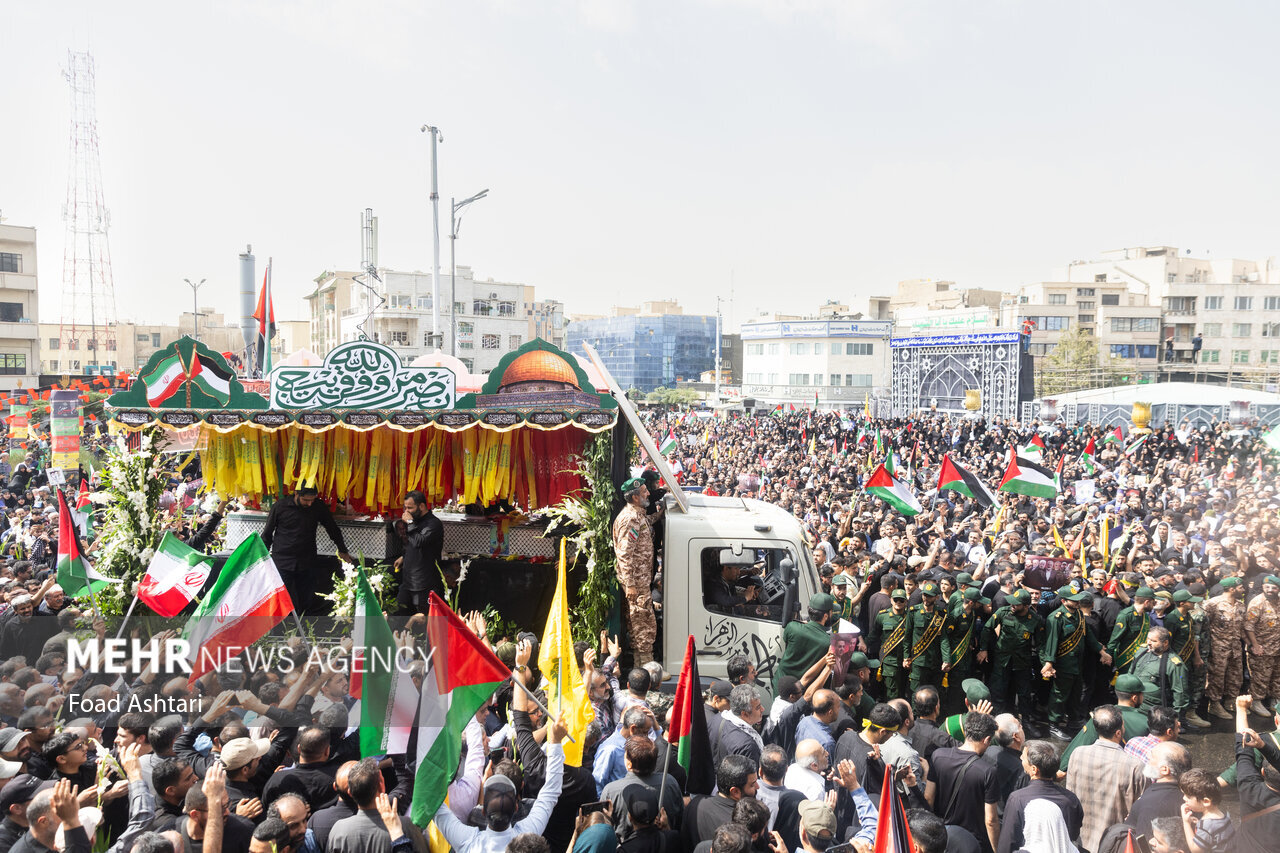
(1014,697)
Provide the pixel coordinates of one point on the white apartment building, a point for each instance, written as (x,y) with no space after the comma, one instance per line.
(480,321)
(1233,303)
(19,308)
(837,362)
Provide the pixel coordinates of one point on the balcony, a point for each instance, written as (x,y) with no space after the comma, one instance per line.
(17,281)
(22,330)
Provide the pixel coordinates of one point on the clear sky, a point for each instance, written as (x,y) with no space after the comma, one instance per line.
(640,149)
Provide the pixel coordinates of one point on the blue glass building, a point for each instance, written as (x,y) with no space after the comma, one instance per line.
(648,352)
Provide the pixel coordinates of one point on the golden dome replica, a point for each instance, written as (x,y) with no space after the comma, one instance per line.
(537,375)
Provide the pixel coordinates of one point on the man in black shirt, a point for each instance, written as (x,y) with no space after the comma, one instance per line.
(962,788)
(1040,760)
(290,533)
(17,794)
(735,779)
(420,564)
(312,777)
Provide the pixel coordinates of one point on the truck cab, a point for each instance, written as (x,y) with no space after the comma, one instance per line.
(762,547)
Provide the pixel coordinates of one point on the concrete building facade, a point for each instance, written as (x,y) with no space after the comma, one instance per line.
(19,308)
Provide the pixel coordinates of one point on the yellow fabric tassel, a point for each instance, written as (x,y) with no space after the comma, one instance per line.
(342,465)
(359,458)
(376,451)
(291,453)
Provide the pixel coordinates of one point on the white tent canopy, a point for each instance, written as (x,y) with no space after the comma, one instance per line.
(1198,393)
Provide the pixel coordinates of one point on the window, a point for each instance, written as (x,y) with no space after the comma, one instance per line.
(1051,324)
(513,342)
(1110,299)
(426,339)
(1100,277)
(1086,291)
(55,343)
(468,363)
(75,364)
(1057,299)
(466,336)
(775,349)
(817,347)
(1180,304)
(798,349)
(1212,330)
(1085,305)
(1146,350)
(1042,349)
(10,312)
(755,349)
(1134,324)
(506,309)
(10,262)
(424,302)
(1209,356)
(1085,318)
(835,379)
(1122,350)
(142,339)
(459,307)
(767,562)
(1269,330)
(490,341)
(798,379)
(817,379)
(859,349)
(1239,356)
(1172,277)
(1244,303)
(861,380)
(1269,356)
(754,378)
(13,363)
(1213,303)
(73,343)
(53,366)
(399,338)
(481,308)
(773,379)
(1241,330)
(1271,303)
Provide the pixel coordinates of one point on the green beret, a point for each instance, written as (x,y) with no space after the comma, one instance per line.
(898,593)
(1144,592)
(841,580)
(1020,596)
(822,602)
(1130,684)
(630,487)
(1227,583)
(964,578)
(1184,595)
(975,595)
(1271,579)
(858,660)
(929,588)
(974,690)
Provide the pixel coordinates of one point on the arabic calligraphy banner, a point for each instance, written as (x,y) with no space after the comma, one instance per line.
(363,375)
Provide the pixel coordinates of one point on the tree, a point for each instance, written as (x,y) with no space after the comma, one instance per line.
(673,396)
(1074,365)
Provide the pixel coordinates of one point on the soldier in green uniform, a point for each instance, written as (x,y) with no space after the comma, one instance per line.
(1012,638)
(1165,670)
(1184,641)
(804,643)
(1130,693)
(1130,632)
(964,635)
(927,634)
(889,630)
(1067,637)
(963,581)
(843,609)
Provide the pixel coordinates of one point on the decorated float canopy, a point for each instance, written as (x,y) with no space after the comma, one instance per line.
(363,429)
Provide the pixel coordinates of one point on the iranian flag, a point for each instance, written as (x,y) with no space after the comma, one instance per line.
(1087,460)
(893,491)
(1033,449)
(165,380)
(465,673)
(1024,477)
(247,600)
(387,699)
(668,444)
(211,378)
(1114,435)
(75,575)
(1136,445)
(174,576)
(689,728)
(957,478)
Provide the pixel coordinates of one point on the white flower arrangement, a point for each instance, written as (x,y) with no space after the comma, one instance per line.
(343,597)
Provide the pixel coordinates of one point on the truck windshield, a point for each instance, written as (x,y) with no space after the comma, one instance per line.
(750,583)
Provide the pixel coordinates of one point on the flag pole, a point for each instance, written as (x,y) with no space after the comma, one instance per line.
(666,764)
(515,679)
(127,614)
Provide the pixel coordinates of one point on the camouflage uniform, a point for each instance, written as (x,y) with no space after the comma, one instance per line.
(1264,618)
(1200,674)
(633,545)
(1226,630)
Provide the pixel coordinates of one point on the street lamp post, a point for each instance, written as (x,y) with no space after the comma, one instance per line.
(195,307)
(455,224)
(436,136)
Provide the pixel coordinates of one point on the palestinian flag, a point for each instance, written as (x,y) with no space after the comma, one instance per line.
(689,728)
(962,480)
(265,314)
(893,834)
(1057,472)
(1086,458)
(82,515)
(211,378)
(247,600)
(75,575)
(1033,449)
(165,380)
(893,491)
(464,674)
(1114,435)
(387,699)
(1136,445)
(668,444)
(83,504)
(1024,477)
(174,576)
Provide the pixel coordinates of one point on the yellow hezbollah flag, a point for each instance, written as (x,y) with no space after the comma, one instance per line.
(567,691)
